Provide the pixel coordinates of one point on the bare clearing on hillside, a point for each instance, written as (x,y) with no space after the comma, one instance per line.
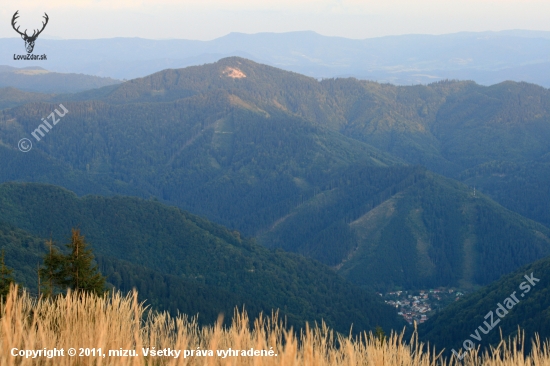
(233,72)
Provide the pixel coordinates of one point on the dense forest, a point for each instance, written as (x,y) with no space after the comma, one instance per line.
(531,313)
(299,164)
(393,187)
(40,80)
(180,261)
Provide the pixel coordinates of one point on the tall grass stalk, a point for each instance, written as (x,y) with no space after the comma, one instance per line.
(117,322)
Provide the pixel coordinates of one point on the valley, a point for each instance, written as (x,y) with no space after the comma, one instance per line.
(419,306)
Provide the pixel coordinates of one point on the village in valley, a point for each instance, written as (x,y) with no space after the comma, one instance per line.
(420,305)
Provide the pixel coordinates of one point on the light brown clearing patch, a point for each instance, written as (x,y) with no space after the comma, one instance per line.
(233,72)
(31,72)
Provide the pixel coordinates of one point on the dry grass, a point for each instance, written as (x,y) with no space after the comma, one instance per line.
(122,322)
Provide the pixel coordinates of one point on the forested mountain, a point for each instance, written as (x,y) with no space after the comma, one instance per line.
(495,138)
(414,230)
(181,261)
(24,253)
(520,186)
(11,97)
(39,80)
(486,57)
(314,167)
(447,126)
(211,153)
(463,319)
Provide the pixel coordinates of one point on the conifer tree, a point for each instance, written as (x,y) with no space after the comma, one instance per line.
(6,278)
(73,270)
(79,273)
(53,272)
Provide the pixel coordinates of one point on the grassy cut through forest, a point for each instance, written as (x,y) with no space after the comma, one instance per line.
(118,322)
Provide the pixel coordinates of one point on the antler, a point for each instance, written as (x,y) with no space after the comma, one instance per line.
(34,34)
(15,16)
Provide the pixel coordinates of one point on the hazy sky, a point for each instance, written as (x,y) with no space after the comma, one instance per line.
(209,19)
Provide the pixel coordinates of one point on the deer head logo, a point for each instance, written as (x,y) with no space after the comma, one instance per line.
(29,40)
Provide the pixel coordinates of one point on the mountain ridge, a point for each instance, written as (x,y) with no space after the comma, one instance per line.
(179,246)
(39,80)
(404,60)
(271,153)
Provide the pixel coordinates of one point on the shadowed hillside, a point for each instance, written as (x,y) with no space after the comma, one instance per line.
(468,318)
(163,250)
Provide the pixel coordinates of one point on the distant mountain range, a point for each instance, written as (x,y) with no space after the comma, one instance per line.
(484,57)
(37,79)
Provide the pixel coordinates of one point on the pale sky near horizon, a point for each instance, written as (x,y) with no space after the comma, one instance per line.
(209,19)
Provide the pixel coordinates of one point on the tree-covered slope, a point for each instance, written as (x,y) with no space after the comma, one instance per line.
(519,186)
(264,86)
(39,80)
(396,119)
(39,166)
(409,228)
(24,253)
(447,126)
(495,138)
(463,319)
(214,154)
(290,160)
(11,97)
(174,243)
(320,227)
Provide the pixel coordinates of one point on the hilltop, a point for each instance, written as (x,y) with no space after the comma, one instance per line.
(40,80)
